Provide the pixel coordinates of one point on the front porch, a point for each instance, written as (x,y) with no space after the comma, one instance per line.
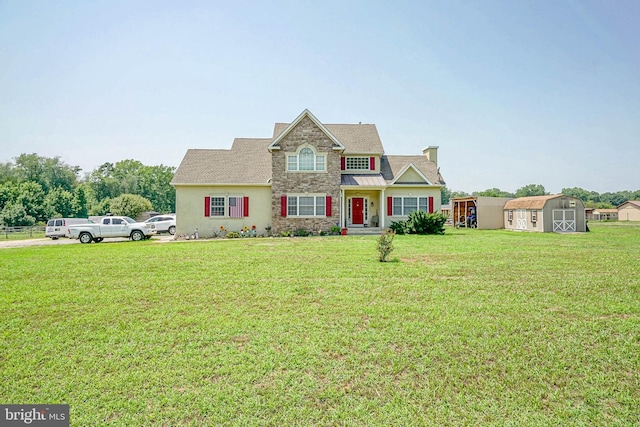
(362,209)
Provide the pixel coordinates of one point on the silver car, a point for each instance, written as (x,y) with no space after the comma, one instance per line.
(164,223)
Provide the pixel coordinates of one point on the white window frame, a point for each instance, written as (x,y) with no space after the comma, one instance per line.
(297,201)
(318,162)
(219,207)
(402,208)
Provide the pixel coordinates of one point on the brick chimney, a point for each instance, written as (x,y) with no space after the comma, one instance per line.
(431,153)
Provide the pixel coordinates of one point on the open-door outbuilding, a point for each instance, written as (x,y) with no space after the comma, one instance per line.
(481,212)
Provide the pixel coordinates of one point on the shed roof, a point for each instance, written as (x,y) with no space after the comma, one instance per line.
(531,202)
(363,180)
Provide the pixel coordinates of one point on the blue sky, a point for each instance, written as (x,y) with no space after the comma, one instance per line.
(513,92)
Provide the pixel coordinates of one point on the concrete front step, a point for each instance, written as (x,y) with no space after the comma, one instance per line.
(364,231)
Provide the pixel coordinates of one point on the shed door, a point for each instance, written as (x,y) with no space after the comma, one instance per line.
(564,220)
(521,219)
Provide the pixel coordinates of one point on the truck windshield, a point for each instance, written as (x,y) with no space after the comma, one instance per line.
(129,220)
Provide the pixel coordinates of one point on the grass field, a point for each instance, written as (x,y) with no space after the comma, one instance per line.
(470,328)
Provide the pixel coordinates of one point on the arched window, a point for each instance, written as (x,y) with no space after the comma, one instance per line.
(306,160)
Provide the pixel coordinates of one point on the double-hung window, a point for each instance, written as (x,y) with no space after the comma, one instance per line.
(217,206)
(306,205)
(306,160)
(403,206)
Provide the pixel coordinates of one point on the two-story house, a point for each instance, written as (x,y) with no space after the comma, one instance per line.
(308,175)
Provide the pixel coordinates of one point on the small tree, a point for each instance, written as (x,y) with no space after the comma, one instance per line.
(385,244)
(130,205)
(14,215)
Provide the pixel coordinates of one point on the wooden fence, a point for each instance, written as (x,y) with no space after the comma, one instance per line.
(30,232)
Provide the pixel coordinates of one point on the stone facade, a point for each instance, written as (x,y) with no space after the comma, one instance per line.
(284,182)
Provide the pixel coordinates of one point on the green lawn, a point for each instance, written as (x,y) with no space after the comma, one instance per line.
(470,328)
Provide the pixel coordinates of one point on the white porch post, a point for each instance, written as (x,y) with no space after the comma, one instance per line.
(382,209)
(342,208)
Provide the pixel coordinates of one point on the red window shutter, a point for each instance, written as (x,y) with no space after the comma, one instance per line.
(372,163)
(430,204)
(283,206)
(342,163)
(207,206)
(389,206)
(245,211)
(328,205)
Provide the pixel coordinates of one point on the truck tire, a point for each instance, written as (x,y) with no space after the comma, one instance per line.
(137,235)
(85,238)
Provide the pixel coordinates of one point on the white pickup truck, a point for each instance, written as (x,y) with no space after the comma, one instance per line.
(112,226)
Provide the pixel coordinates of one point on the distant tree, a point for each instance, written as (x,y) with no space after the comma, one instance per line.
(131,205)
(582,194)
(59,202)
(8,193)
(616,199)
(531,190)
(80,202)
(32,197)
(7,173)
(455,194)
(132,177)
(493,192)
(155,185)
(101,208)
(445,195)
(15,215)
(50,173)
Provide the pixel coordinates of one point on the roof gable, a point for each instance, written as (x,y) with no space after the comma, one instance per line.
(410,175)
(393,168)
(631,203)
(275,144)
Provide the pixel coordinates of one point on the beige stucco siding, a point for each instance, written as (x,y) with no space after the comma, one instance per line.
(409,192)
(190,209)
(628,212)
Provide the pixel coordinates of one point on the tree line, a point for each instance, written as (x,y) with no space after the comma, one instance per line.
(34,188)
(591,199)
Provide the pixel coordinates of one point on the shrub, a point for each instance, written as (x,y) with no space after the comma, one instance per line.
(420,222)
(385,244)
(334,230)
(301,233)
(233,235)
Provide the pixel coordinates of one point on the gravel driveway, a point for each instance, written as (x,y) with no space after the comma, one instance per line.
(48,242)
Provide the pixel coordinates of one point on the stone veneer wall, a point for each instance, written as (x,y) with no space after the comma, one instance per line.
(283,182)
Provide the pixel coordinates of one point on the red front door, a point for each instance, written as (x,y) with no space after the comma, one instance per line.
(357,210)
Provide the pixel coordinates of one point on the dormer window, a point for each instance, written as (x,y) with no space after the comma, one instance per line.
(306,160)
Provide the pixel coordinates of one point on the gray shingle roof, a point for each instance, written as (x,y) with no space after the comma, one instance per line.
(247,162)
(391,166)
